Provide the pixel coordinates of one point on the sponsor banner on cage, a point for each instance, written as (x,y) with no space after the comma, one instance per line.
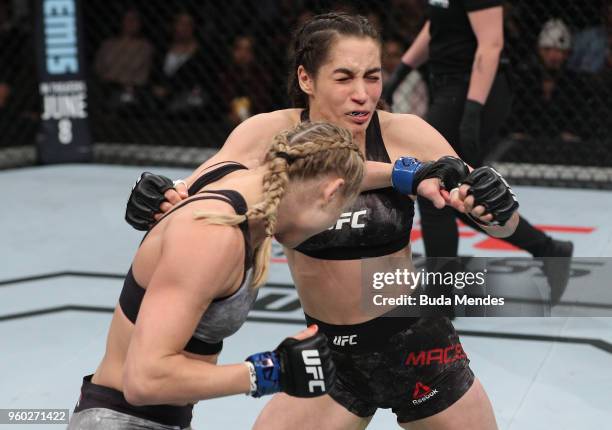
(64,133)
(487,287)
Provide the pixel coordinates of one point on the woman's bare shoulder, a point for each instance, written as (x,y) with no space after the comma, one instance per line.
(277,120)
(249,141)
(410,135)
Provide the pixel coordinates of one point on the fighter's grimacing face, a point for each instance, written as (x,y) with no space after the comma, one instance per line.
(346,88)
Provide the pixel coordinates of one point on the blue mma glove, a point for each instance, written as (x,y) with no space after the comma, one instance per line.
(409,172)
(300,368)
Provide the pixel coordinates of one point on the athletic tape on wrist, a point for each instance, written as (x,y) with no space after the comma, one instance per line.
(252,377)
(267,373)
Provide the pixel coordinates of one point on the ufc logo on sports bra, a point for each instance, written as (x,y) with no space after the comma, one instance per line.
(439,3)
(345,340)
(350,218)
(313,367)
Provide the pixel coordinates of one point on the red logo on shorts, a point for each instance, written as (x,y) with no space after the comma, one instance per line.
(422,393)
(420,390)
(436,355)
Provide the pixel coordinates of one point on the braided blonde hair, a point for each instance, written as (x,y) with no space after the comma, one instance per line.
(308,151)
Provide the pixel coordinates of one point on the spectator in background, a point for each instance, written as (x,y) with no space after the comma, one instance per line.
(19,99)
(303,17)
(375,19)
(180,81)
(406,21)
(345,6)
(12,60)
(518,40)
(602,100)
(606,78)
(552,101)
(411,95)
(7,33)
(591,44)
(245,84)
(123,62)
(6,113)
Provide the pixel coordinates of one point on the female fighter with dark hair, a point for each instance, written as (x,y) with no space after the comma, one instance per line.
(336,77)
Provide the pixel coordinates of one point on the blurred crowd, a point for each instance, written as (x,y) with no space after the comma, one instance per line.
(218,63)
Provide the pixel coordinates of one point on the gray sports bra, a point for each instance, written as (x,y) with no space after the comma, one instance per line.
(225,315)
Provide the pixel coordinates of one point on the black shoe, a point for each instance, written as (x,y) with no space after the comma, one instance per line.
(556,267)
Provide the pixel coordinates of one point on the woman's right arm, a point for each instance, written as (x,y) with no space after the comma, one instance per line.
(197,264)
(153,195)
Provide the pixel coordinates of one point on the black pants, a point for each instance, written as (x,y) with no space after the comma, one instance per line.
(440,232)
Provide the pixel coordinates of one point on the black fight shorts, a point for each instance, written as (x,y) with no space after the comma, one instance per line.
(416,372)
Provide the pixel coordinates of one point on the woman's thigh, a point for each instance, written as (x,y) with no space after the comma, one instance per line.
(472,411)
(284,412)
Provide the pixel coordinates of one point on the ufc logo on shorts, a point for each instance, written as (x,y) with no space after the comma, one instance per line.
(351,218)
(313,367)
(345,340)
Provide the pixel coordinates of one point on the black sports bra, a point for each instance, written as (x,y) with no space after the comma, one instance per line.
(224,315)
(378,223)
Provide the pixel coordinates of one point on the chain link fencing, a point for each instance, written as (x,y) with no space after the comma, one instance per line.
(168,80)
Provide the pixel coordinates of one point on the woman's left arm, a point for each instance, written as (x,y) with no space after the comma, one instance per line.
(404,135)
(410,136)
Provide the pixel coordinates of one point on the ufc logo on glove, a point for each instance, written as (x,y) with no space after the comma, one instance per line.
(313,367)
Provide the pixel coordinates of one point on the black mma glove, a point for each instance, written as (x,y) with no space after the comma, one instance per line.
(469,132)
(300,368)
(408,173)
(147,194)
(396,78)
(492,191)
(452,171)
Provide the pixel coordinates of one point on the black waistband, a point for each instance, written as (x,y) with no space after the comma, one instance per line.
(98,396)
(355,252)
(367,336)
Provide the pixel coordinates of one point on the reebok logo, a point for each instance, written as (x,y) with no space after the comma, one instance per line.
(345,340)
(313,367)
(422,393)
(351,218)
